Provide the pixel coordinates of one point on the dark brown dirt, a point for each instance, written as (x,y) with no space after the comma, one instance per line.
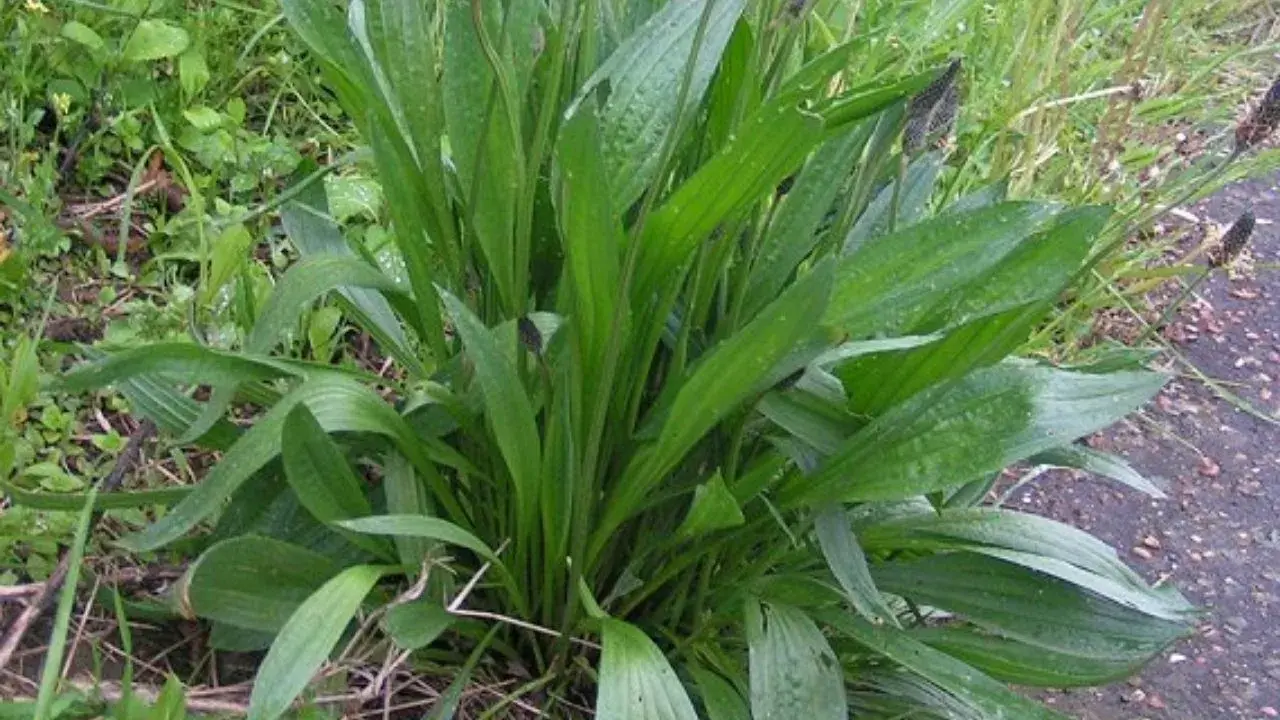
(1217,536)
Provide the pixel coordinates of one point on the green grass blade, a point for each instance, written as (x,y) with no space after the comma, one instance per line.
(49,675)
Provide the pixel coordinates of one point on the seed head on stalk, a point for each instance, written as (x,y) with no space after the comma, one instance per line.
(1233,240)
(1261,122)
(932,110)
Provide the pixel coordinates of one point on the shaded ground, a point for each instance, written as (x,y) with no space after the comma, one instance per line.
(1217,536)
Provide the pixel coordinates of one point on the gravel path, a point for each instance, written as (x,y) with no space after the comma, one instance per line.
(1217,536)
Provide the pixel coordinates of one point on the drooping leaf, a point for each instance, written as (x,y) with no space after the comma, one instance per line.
(305,641)
(1022,663)
(982,321)
(318,472)
(984,527)
(254,583)
(794,672)
(323,27)
(636,681)
(1032,607)
(849,564)
(321,477)
(313,232)
(956,432)
(989,698)
(177,359)
(68,502)
(1099,463)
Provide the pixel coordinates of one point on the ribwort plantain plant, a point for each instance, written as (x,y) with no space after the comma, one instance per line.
(668,439)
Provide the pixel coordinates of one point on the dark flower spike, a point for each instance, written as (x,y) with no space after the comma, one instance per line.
(530,336)
(1261,122)
(1233,241)
(931,110)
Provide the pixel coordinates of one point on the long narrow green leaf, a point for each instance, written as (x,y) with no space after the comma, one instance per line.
(321,477)
(323,27)
(772,145)
(406,495)
(727,376)
(1032,607)
(483,117)
(318,472)
(793,233)
(985,695)
(911,200)
(949,435)
(719,698)
(642,78)
(420,526)
(983,527)
(52,669)
(70,502)
(338,403)
(307,223)
(306,640)
(1021,663)
(849,564)
(508,408)
(794,672)
(591,237)
(1099,463)
(892,282)
(178,359)
(636,681)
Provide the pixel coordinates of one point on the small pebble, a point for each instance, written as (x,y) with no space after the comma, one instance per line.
(1142,552)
